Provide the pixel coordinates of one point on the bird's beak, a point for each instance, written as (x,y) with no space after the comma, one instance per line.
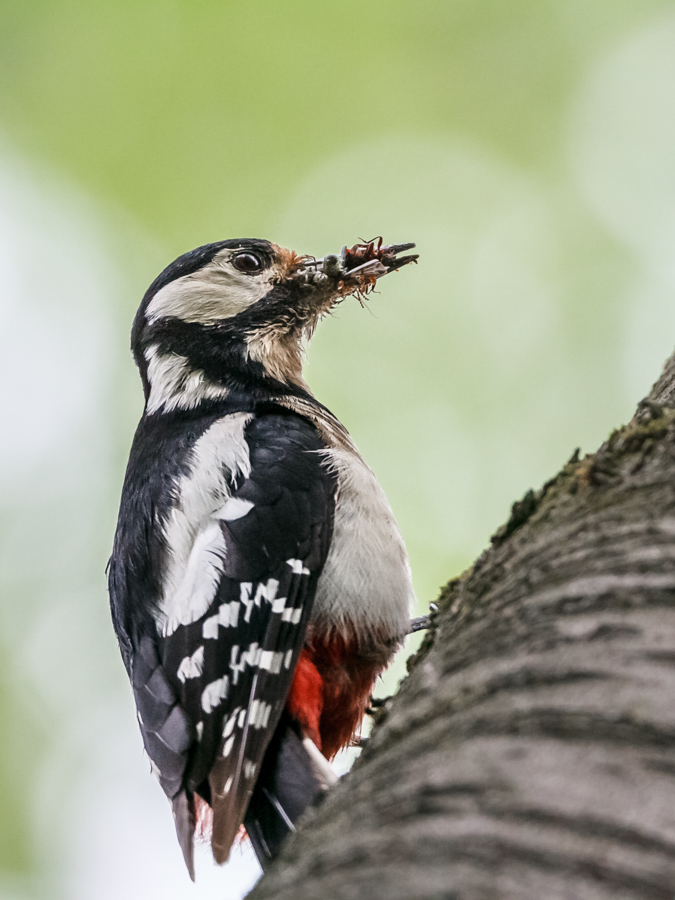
(356,269)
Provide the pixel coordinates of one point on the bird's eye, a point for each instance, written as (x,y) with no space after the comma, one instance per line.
(249,263)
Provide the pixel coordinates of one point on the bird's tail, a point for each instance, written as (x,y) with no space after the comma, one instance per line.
(293,775)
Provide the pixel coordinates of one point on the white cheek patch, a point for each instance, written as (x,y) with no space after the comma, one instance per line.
(215,292)
(175,385)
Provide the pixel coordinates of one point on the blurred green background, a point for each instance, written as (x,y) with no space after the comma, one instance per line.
(528,147)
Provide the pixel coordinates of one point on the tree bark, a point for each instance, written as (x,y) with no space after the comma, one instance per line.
(531,751)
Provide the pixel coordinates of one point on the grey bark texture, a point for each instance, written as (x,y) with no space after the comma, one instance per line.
(531,751)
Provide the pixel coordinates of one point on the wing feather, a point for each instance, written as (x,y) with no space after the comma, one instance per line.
(231,668)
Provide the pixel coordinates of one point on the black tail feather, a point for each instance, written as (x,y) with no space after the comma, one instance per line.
(287,785)
(184,817)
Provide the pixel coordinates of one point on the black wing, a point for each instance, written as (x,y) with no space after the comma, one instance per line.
(211,693)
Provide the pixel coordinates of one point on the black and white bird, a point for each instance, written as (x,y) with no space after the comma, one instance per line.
(258,580)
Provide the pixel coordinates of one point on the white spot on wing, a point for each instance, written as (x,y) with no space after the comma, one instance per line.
(235,508)
(298,567)
(266,590)
(210,627)
(227,746)
(250,658)
(259,714)
(191,666)
(231,722)
(279,604)
(199,728)
(214,693)
(228,614)
(292,615)
(271,661)
(227,617)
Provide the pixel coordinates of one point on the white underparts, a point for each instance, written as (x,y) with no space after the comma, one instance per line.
(195,544)
(365,587)
(174,384)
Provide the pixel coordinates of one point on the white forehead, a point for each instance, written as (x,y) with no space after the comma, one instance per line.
(216,291)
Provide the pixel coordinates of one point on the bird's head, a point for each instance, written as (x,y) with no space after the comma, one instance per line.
(240,312)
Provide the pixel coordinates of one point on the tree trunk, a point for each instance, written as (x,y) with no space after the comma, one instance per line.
(531,751)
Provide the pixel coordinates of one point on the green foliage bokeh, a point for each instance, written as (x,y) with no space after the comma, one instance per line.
(489,132)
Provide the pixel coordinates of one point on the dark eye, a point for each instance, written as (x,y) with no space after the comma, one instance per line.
(247,262)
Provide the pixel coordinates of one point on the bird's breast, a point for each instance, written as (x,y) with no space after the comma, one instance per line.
(365,588)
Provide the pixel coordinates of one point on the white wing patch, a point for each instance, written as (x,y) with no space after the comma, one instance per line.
(191,666)
(298,567)
(194,539)
(200,580)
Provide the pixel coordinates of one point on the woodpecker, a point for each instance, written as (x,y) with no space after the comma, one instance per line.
(258,581)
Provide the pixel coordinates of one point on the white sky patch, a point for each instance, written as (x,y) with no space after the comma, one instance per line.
(622,146)
(59,283)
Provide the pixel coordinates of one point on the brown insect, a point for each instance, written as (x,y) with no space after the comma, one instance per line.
(357,268)
(364,263)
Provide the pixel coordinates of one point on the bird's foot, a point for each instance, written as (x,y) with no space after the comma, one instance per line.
(421,623)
